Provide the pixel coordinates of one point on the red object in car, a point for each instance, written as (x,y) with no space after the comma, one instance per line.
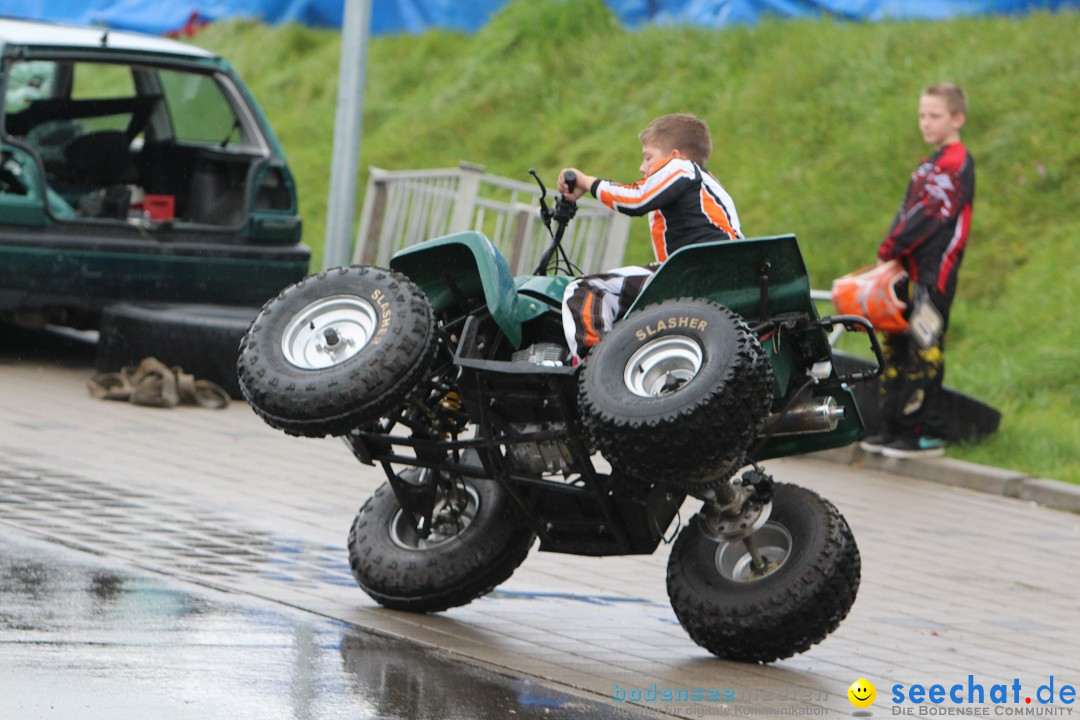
(159,207)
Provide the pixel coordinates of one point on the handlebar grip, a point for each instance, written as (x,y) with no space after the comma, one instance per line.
(571,179)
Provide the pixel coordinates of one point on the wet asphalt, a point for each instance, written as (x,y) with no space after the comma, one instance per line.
(83,636)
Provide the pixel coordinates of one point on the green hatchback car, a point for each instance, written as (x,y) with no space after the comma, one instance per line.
(134,168)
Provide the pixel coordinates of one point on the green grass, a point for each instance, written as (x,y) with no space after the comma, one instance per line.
(814,130)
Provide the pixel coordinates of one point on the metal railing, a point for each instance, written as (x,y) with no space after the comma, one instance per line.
(406,207)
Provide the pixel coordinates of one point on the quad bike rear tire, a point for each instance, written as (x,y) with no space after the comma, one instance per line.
(738,615)
(337,350)
(677,393)
(402,571)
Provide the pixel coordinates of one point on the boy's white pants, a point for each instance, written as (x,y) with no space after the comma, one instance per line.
(592,304)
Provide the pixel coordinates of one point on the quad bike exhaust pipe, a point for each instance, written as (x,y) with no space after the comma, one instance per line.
(811,416)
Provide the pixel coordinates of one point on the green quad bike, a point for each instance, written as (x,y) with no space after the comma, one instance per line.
(454,376)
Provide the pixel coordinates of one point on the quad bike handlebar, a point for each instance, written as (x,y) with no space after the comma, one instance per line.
(571,179)
(562,214)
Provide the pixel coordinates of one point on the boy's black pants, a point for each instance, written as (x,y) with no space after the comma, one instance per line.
(914,372)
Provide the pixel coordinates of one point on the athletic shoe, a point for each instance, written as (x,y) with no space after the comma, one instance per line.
(876,443)
(905,448)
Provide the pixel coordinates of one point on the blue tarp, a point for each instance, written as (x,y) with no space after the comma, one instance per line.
(412,16)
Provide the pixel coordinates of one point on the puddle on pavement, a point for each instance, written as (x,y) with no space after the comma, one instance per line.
(83,636)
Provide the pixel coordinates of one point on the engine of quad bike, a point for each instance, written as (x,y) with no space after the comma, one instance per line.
(547,354)
(544,456)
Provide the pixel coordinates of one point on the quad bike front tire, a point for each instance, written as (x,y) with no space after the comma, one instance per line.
(337,350)
(677,393)
(739,614)
(461,560)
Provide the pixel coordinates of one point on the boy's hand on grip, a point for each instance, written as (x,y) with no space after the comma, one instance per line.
(573,183)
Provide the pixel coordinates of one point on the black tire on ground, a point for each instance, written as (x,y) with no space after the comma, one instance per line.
(337,350)
(784,612)
(695,431)
(402,572)
(204,340)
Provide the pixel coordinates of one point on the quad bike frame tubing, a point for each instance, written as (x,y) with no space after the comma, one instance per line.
(595,516)
(851,322)
(535,495)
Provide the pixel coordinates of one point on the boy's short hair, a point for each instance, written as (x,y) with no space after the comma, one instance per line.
(954,97)
(680,131)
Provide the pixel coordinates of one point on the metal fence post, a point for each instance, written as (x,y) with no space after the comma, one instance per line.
(519,234)
(615,241)
(468,192)
(371,218)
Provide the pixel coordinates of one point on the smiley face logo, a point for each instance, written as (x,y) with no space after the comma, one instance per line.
(862,693)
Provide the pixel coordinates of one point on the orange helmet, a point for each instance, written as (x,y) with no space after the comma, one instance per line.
(871,293)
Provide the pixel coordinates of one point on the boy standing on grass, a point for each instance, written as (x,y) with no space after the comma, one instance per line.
(928,237)
(685,203)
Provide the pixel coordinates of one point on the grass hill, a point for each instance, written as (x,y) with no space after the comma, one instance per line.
(814,126)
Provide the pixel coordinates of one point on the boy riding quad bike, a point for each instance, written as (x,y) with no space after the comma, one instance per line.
(455,377)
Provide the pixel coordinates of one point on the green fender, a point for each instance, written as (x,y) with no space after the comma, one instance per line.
(467,266)
(732,273)
(729,272)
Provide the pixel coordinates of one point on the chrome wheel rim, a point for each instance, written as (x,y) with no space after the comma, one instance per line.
(734,561)
(447,521)
(329,331)
(662,366)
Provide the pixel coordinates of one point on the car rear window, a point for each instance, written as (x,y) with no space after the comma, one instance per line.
(199,109)
(100,81)
(92,81)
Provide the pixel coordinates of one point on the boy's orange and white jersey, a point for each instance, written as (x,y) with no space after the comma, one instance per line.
(685,203)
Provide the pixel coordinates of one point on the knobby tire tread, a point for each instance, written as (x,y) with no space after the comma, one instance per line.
(780,615)
(700,444)
(336,400)
(470,566)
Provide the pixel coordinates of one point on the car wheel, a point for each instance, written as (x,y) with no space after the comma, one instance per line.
(807,587)
(676,393)
(337,350)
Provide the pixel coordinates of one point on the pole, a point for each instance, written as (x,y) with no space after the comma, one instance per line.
(348,124)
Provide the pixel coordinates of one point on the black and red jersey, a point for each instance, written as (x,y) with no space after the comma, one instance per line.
(685,202)
(931,229)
